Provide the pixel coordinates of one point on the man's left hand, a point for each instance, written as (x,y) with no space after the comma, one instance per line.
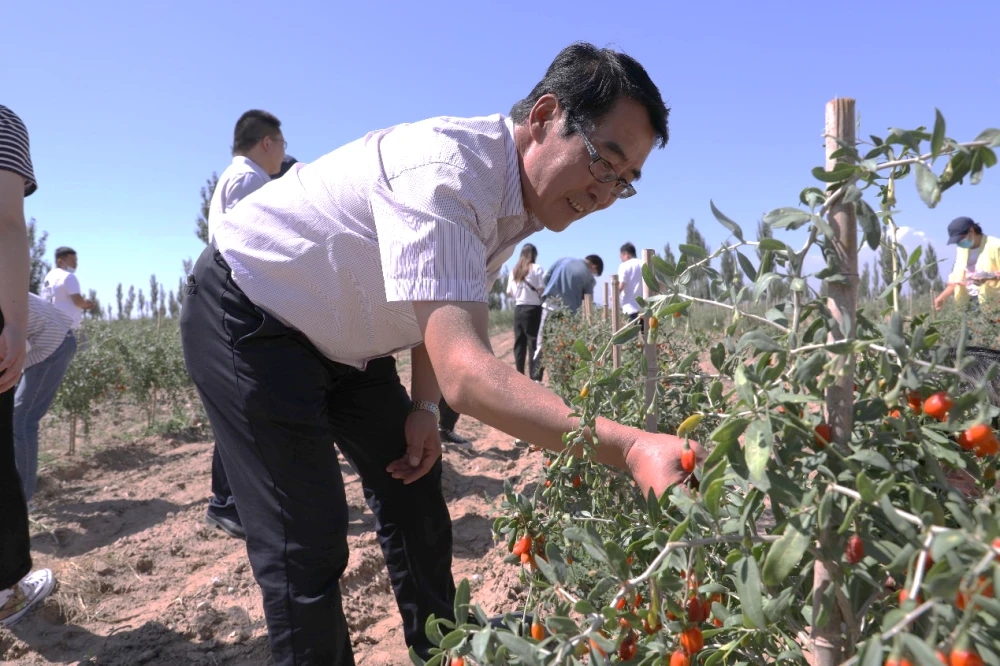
(423,447)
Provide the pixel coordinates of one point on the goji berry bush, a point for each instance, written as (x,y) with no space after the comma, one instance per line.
(136,361)
(792,541)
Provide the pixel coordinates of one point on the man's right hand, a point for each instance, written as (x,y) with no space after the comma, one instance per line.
(655,461)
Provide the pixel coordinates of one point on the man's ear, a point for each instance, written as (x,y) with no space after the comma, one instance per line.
(544,117)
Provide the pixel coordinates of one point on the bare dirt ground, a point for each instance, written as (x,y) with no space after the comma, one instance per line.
(143,580)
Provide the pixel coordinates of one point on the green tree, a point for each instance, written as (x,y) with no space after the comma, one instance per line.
(120,297)
(699,286)
(142,304)
(37,267)
(130,302)
(173,306)
(919,285)
(864,284)
(97,312)
(668,255)
(731,273)
(933,271)
(201,230)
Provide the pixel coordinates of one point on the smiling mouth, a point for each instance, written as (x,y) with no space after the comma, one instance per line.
(575,206)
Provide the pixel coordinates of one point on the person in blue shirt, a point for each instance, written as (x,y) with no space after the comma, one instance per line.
(566,283)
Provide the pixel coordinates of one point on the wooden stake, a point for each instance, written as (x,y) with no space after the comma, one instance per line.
(842,300)
(606,311)
(588,305)
(616,322)
(72,434)
(652,368)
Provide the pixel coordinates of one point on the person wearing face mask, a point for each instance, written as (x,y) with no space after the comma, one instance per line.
(62,288)
(976,275)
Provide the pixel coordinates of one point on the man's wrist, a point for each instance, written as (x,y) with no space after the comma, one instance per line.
(427,405)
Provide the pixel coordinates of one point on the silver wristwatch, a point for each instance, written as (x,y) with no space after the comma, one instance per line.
(428,406)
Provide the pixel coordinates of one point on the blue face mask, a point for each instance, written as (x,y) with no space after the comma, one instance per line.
(965,244)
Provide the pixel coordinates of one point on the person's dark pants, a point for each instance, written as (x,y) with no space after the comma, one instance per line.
(449,417)
(527,319)
(15,541)
(642,322)
(221,503)
(278,407)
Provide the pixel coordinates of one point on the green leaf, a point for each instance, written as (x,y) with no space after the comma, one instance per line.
(945,542)
(872,459)
(840,171)
(870,225)
(785,553)
(759,340)
(718,356)
(415,658)
(695,251)
(748,589)
(918,649)
(453,639)
(927,184)
(773,244)
(757,450)
(744,389)
(991,136)
(625,335)
(725,436)
(481,643)
(871,655)
(580,347)
(747,267)
(713,497)
(780,218)
(865,487)
(584,607)
(519,648)
(937,138)
(726,222)
(462,597)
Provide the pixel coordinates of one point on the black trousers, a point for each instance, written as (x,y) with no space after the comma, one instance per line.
(527,319)
(15,541)
(279,406)
(221,503)
(449,417)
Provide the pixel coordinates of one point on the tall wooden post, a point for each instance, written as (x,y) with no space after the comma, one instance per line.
(616,322)
(588,305)
(842,300)
(649,350)
(606,311)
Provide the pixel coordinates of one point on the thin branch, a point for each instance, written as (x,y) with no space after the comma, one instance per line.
(733,307)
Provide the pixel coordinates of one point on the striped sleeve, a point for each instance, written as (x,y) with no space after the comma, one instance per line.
(427,221)
(14,150)
(47,329)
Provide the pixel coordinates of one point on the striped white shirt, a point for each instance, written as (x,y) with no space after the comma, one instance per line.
(341,247)
(240,178)
(47,328)
(15,154)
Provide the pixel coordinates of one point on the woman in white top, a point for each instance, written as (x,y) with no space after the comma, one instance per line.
(525,286)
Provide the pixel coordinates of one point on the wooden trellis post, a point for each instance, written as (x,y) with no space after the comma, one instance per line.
(842,299)
(652,367)
(606,311)
(588,305)
(616,322)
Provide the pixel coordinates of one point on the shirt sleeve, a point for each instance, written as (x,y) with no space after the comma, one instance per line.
(428,220)
(589,287)
(536,277)
(15,154)
(241,187)
(72,284)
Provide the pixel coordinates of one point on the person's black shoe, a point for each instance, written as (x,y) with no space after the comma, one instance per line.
(231,527)
(450,437)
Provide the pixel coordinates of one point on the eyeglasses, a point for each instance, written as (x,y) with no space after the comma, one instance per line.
(283,141)
(602,170)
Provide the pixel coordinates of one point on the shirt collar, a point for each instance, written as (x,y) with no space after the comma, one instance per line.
(246,161)
(513,198)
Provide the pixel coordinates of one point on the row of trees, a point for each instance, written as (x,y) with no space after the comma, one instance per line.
(925,277)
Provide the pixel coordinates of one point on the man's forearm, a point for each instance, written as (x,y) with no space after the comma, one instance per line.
(503,398)
(423,382)
(14,271)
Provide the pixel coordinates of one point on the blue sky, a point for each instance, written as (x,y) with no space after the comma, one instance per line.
(131,106)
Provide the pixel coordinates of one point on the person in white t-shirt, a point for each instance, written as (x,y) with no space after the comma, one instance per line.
(258,152)
(62,288)
(629,281)
(525,286)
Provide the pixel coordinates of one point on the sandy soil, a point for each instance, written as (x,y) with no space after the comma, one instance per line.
(143,580)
